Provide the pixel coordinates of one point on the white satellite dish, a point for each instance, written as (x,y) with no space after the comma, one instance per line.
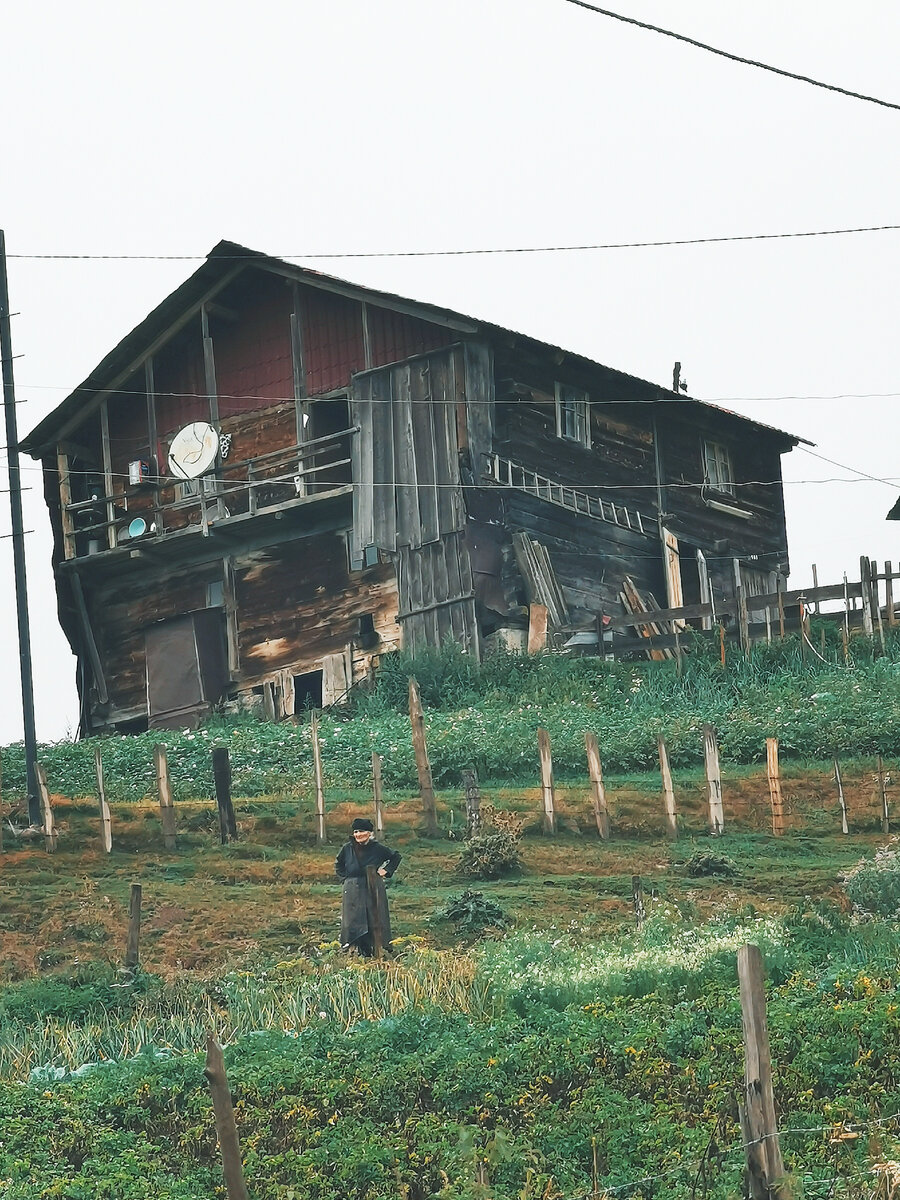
(193,450)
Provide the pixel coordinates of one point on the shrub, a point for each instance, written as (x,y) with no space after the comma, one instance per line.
(707,862)
(490,854)
(873,885)
(472,912)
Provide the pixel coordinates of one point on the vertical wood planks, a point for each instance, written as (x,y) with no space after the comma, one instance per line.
(713,780)
(319,780)
(377,794)
(423,766)
(757,1113)
(841,800)
(548,795)
(164,792)
(668,790)
(105,818)
(49,828)
(774,777)
(598,791)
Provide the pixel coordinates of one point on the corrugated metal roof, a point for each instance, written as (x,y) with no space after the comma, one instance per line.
(225,261)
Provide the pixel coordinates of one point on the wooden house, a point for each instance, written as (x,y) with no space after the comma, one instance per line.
(278,476)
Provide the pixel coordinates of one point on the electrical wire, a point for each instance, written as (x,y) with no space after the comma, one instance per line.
(748,62)
(556,249)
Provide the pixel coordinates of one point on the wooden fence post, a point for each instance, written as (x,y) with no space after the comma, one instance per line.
(713,780)
(473,799)
(765,1169)
(376,793)
(668,790)
(637,897)
(743,620)
(1,803)
(105,818)
(164,791)
(840,790)
(423,766)
(222,779)
(548,795)
(779,587)
(774,776)
(865,582)
(598,791)
(882,795)
(374,911)
(319,780)
(132,948)
(889,596)
(49,828)
(226,1129)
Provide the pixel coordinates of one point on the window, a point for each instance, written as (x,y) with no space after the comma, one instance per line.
(573,414)
(717,469)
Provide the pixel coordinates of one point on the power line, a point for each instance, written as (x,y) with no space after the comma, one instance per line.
(699,241)
(889,482)
(747,62)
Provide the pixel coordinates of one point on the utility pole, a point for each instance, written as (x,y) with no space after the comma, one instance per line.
(18,541)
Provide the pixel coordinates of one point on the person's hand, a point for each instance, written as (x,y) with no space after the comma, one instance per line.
(382,872)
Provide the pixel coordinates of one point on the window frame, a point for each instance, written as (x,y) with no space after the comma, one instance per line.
(717,455)
(573,402)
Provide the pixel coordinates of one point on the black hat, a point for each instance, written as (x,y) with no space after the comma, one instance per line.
(360,824)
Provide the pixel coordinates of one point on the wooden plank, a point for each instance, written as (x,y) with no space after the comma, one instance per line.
(537,628)
(598,791)
(377,794)
(164,792)
(774,776)
(319,778)
(780,602)
(815,587)
(548,795)
(866,593)
(672,567)
(49,826)
(713,780)
(743,620)
(845,828)
(668,790)
(764,1164)
(889,596)
(65,499)
(132,946)
(409,520)
(423,766)
(107,475)
(421,410)
(89,641)
(479,390)
(105,817)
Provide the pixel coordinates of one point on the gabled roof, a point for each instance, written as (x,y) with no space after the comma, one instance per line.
(227,260)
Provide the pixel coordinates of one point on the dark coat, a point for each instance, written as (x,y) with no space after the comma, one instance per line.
(357,904)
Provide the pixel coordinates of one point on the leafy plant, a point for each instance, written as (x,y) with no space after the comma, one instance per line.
(709,862)
(472,912)
(490,854)
(873,885)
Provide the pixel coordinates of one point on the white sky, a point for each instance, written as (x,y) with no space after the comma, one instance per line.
(300,128)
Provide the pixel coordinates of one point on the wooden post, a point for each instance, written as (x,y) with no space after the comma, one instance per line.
(537,628)
(774,786)
(132,948)
(374,910)
(473,800)
(319,781)
(679,665)
(598,791)
(889,596)
(548,795)
(423,766)
(866,589)
(164,791)
(376,793)
(780,590)
(840,789)
(1,804)
(668,790)
(743,620)
(876,600)
(713,780)
(882,794)
(815,575)
(105,818)
(226,1129)
(765,1169)
(222,779)
(637,897)
(49,828)
(722,644)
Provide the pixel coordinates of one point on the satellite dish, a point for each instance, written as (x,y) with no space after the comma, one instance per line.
(193,450)
(137,528)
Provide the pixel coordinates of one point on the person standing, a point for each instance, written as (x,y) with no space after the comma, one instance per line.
(362,865)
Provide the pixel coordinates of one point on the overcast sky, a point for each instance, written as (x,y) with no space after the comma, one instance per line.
(349,126)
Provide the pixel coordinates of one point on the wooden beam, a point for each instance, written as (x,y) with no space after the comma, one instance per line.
(93,652)
(107,476)
(65,499)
